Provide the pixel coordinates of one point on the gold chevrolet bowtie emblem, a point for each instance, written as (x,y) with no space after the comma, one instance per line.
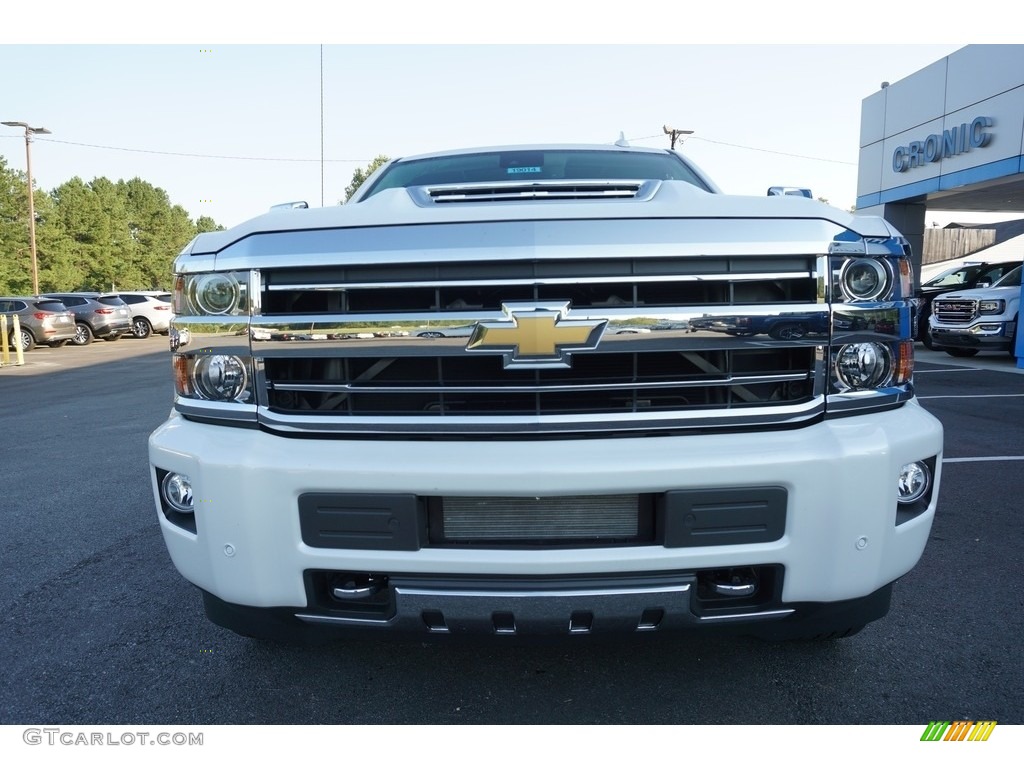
(536,335)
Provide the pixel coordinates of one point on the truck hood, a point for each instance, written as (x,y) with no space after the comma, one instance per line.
(672,200)
(1004,292)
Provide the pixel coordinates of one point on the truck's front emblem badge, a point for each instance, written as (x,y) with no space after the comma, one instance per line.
(536,335)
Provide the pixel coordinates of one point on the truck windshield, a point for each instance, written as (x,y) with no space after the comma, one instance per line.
(1010,279)
(534,165)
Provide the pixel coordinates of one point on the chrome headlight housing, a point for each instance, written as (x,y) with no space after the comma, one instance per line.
(865,279)
(212,294)
(863,365)
(221,378)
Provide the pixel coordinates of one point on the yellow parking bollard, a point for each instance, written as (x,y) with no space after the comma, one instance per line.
(19,353)
(5,354)
(6,338)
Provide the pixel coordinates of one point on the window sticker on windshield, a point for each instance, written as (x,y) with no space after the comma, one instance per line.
(525,169)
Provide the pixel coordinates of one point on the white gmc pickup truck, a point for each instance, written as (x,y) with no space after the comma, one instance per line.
(964,323)
(530,391)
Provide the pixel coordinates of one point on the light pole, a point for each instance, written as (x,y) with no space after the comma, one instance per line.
(674,134)
(29,132)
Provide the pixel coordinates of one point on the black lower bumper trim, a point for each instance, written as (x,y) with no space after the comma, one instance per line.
(611,615)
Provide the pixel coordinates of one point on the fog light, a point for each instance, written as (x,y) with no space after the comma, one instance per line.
(176,490)
(914,481)
(219,377)
(864,365)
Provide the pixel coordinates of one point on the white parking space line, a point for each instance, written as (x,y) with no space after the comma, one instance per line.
(982,458)
(967,397)
(918,372)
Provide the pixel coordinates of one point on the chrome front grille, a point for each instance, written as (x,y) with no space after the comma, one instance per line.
(955,310)
(687,324)
(722,344)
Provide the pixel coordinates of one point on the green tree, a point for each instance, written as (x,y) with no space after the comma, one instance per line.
(15,259)
(206,224)
(92,236)
(361,174)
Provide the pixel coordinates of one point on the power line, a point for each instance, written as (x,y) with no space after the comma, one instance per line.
(774,152)
(196,154)
(323,160)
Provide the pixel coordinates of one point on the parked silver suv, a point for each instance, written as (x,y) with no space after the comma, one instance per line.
(42,321)
(97,315)
(151,312)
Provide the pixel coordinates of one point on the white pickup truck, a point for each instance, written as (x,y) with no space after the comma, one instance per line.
(964,323)
(534,471)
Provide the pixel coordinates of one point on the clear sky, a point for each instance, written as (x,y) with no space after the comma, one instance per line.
(231,128)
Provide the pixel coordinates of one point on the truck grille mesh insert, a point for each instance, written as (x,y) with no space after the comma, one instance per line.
(566,517)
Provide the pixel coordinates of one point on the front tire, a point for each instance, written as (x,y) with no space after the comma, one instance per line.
(141,329)
(83,335)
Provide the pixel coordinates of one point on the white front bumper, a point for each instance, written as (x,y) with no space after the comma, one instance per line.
(841,540)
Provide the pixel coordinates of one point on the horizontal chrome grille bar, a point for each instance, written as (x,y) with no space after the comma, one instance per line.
(512,426)
(378,285)
(454,389)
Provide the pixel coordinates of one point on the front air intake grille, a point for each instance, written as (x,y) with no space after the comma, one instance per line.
(565,518)
(955,310)
(464,339)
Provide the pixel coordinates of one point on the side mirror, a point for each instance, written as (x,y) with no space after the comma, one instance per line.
(795,191)
(983,283)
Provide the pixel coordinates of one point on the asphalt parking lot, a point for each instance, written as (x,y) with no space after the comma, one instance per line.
(98,627)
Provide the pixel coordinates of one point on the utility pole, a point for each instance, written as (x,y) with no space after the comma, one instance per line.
(29,132)
(674,134)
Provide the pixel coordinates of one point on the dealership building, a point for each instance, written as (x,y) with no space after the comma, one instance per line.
(949,137)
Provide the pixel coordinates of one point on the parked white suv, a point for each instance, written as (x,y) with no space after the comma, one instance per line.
(964,323)
(151,312)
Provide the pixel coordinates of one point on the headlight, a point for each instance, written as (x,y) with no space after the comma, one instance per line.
(216,293)
(212,293)
(991,306)
(864,365)
(864,279)
(219,377)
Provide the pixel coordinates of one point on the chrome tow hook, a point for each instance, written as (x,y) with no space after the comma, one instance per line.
(359,586)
